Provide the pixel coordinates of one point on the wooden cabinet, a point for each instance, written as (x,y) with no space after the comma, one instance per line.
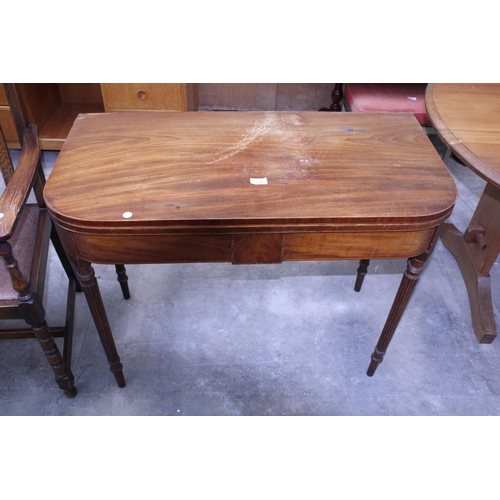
(150,96)
(53,107)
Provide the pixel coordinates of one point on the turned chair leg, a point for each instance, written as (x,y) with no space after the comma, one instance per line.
(362,271)
(31,308)
(63,375)
(337,95)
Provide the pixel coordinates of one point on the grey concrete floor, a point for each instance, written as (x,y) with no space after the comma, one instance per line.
(289,339)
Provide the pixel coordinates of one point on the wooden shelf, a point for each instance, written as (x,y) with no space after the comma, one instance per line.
(56,129)
(53,107)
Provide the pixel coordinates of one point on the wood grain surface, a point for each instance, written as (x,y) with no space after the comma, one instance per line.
(185,170)
(467,117)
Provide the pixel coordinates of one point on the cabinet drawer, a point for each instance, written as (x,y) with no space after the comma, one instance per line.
(149,96)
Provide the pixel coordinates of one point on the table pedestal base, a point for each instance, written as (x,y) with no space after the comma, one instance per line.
(478,285)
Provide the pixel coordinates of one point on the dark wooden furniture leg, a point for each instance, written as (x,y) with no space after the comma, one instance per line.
(362,270)
(410,277)
(88,282)
(68,327)
(68,269)
(33,313)
(337,95)
(476,251)
(123,280)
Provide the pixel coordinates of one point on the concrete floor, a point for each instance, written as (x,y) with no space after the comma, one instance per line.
(289,339)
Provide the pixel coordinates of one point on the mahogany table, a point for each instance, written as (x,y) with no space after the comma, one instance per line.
(247,188)
(467,118)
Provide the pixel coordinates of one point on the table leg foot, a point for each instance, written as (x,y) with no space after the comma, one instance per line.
(92,293)
(377,358)
(117,370)
(71,393)
(478,286)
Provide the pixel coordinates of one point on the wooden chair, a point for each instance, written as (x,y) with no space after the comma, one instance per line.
(25,233)
(26,250)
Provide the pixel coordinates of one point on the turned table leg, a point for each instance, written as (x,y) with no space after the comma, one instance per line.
(123,280)
(90,287)
(410,277)
(361,273)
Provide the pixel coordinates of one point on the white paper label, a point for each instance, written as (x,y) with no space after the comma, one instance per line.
(259,181)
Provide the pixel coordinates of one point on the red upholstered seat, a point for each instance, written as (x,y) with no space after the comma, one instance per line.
(388,98)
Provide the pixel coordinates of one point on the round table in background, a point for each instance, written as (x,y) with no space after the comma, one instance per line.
(467,118)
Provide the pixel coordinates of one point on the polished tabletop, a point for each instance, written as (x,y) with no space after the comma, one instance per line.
(467,117)
(220,170)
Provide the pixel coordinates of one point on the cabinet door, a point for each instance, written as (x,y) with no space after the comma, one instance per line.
(149,96)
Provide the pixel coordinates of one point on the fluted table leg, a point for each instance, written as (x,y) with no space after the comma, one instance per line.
(410,277)
(92,293)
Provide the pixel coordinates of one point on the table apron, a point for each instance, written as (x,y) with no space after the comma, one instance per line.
(253,248)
